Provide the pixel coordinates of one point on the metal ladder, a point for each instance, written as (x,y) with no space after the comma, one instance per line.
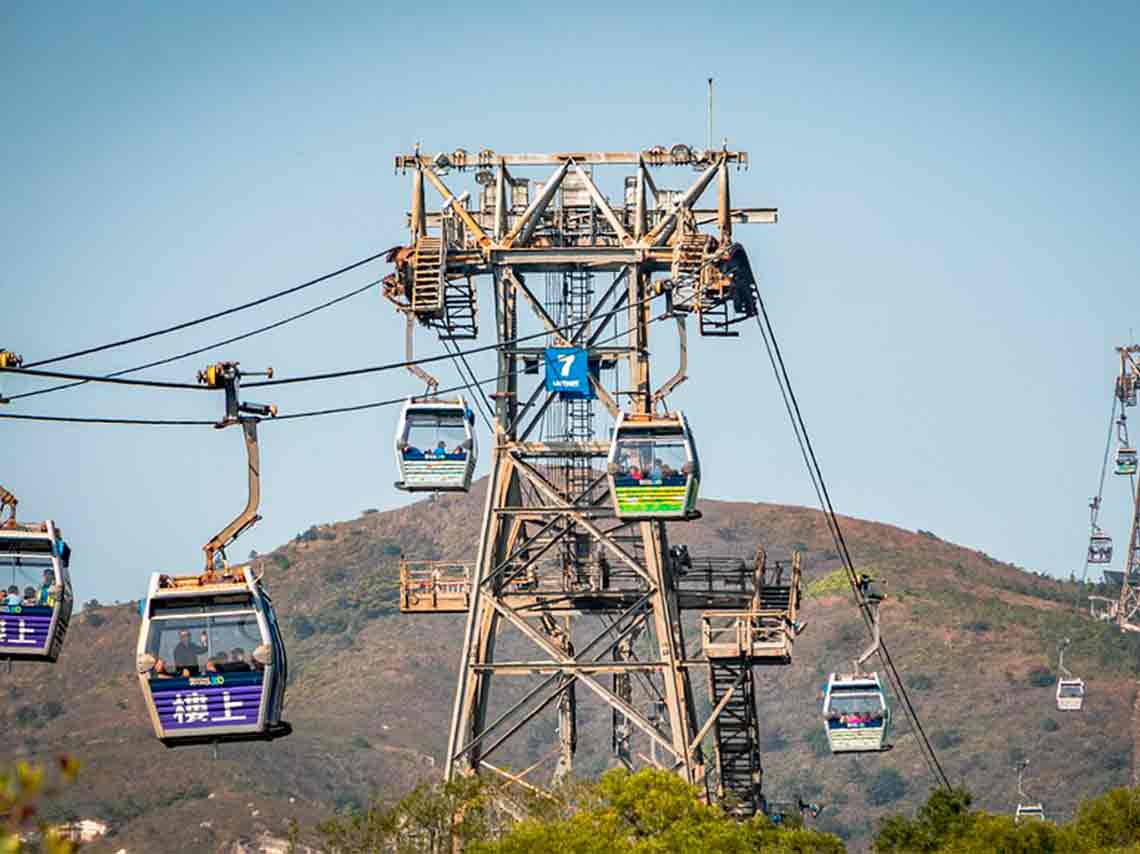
(427,281)
(737,732)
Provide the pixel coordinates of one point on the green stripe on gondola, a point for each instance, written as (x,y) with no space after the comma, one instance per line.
(651,499)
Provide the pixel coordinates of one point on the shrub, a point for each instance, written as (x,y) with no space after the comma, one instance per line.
(371,511)
(946,739)
(27,715)
(886,787)
(977,626)
(303,627)
(1040,677)
(392,550)
(94,618)
(281,562)
(816,739)
(1050,725)
(920,682)
(52,709)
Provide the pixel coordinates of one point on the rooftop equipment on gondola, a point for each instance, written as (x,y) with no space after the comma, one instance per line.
(36,597)
(653,468)
(211,661)
(856,715)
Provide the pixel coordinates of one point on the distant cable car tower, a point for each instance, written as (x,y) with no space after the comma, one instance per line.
(572,599)
(1127,384)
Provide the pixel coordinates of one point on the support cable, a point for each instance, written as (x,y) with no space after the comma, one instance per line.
(466,374)
(926,749)
(213,346)
(146,422)
(187,324)
(313,377)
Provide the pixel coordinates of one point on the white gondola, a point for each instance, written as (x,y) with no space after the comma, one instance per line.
(855,713)
(1070,689)
(1126,461)
(856,716)
(1070,695)
(436,449)
(1100,548)
(36,599)
(653,469)
(211,662)
(1026,809)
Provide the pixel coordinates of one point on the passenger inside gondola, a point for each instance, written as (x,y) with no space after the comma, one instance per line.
(437,434)
(651,460)
(221,640)
(854,711)
(1072,691)
(45,596)
(13,596)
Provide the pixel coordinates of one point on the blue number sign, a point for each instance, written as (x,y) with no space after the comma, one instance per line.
(568,373)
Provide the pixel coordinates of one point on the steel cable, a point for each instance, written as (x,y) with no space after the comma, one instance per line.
(213,346)
(930,757)
(189,323)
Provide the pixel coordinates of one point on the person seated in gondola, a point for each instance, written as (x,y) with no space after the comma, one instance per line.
(13,596)
(218,663)
(160,670)
(29,597)
(186,652)
(45,596)
(459,452)
(237,662)
(657,470)
(440,450)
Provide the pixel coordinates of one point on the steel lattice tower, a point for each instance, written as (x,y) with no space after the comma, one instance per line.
(564,599)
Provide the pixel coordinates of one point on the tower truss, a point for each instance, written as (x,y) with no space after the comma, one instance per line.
(571,610)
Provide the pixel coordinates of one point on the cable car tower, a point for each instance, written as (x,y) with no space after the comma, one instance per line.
(1127,384)
(575,589)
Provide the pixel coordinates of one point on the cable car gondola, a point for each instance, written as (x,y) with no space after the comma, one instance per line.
(653,468)
(1070,689)
(1026,809)
(211,661)
(1126,461)
(210,658)
(36,600)
(1100,547)
(435,446)
(856,716)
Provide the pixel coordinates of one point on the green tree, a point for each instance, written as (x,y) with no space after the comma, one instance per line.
(653,812)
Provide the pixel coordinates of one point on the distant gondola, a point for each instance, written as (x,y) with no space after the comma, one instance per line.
(435,446)
(653,468)
(211,662)
(856,713)
(1100,548)
(1126,461)
(856,716)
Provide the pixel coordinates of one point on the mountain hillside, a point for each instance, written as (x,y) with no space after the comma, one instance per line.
(371,689)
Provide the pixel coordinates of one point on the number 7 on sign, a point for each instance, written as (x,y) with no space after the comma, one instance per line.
(567,360)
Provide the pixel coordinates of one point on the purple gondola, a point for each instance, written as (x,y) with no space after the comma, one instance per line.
(211,662)
(36,599)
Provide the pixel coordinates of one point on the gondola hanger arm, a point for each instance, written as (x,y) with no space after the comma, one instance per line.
(227,376)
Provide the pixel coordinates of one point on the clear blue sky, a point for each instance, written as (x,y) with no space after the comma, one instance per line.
(955,259)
